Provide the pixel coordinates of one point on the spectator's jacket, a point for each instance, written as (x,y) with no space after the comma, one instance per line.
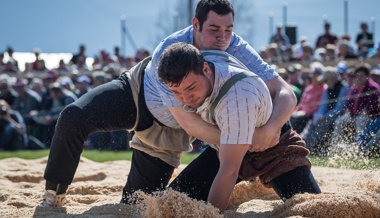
(364,104)
(311,99)
(332,106)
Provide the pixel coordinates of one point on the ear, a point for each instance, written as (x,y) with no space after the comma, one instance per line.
(206,69)
(195,24)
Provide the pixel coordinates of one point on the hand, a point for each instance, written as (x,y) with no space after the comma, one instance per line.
(263,138)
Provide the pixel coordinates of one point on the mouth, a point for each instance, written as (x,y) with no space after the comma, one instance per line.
(220,45)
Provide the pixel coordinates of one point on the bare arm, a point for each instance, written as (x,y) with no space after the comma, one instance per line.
(284,102)
(193,124)
(230,157)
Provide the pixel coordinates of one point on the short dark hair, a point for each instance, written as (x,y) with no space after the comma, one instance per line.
(177,61)
(366,68)
(221,7)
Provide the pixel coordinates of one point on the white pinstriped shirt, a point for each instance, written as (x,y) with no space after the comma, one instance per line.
(158,96)
(246,105)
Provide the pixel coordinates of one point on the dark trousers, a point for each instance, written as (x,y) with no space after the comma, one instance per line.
(108,107)
(152,174)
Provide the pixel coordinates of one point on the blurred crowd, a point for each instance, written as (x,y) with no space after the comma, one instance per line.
(338,101)
(328,47)
(31,100)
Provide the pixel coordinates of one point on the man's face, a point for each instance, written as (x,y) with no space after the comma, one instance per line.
(194,88)
(216,32)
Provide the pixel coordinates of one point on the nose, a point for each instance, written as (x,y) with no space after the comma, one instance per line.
(221,36)
(187,98)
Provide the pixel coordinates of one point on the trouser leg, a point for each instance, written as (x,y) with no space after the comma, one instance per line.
(106,108)
(147,174)
(299,180)
(196,179)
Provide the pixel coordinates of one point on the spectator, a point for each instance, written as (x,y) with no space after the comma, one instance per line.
(364,40)
(274,54)
(297,48)
(284,75)
(326,38)
(50,110)
(344,51)
(331,52)
(289,55)
(141,55)
(37,85)
(81,53)
(10,67)
(280,39)
(310,99)
(38,64)
(62,68)
(6,92)
(27,99)
(294,71)
(119,57)
(67,83)
(12,128)
(11,58)
(307,54)
(82,85)
(332,105)
(2,60)
(361,108)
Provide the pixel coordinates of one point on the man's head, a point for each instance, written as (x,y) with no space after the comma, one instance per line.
(212,24)
(188,76)
(361,74)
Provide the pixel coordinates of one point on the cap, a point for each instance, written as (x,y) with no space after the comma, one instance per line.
(83,79)
(342,67)
(52,74)
(317,67)
(330,72)
(294,67)
(20,82)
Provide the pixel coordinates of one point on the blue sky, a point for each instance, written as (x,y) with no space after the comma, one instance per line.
(60,26)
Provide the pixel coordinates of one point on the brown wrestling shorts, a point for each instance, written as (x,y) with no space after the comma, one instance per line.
(287,155)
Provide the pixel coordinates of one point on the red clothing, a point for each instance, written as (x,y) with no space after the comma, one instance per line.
(311,99)
(366,104)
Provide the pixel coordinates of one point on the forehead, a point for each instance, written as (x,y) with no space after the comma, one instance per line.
(187,82)
(217,19)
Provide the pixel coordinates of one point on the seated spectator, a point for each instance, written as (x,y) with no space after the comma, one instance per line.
(289,55)
(307,54)
(52,107)
(6,92)
(344,51)
(310,99)
(331,52)
(12,128)
(332,105)
(10,67)
(371,134)
(364,40)
(282,72)
(274,54)
(26,102)
(82,85)
(361,108)
(62,68)
(294,71)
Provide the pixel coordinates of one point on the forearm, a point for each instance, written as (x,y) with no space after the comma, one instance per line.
(284,102)
(221,190)
(195,126)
